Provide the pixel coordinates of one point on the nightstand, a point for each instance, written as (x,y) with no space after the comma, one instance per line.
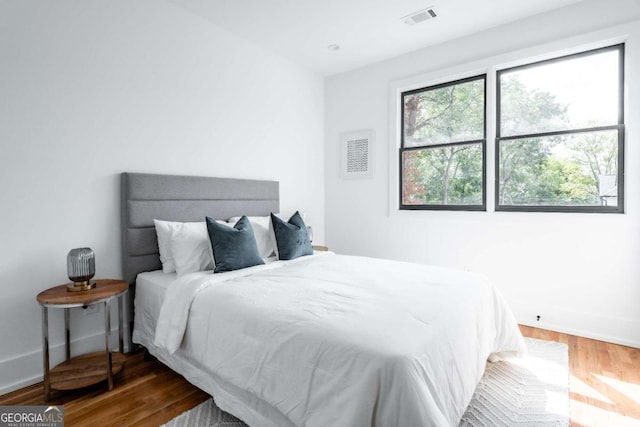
(87,369)
(320,248)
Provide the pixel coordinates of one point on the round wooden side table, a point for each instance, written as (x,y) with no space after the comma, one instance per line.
(87,369)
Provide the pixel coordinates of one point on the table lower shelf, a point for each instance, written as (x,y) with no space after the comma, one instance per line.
(85,370)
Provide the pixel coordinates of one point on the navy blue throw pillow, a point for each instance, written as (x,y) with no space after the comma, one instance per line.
(291,237)
(233,247)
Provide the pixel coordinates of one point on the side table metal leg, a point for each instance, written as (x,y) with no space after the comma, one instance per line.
(67,335)
(120,337)
(45,353)
(107,333)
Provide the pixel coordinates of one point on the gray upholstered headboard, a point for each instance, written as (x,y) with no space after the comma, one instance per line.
(146,197)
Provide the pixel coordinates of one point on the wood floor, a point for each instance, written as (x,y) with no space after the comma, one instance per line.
(605,389)
(604,381)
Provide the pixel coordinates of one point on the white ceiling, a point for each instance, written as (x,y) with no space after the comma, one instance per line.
(367,31)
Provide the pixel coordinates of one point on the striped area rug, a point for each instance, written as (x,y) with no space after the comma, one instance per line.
(532,390)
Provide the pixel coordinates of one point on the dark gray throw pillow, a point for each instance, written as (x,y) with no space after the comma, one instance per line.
(291,237)
(233,247)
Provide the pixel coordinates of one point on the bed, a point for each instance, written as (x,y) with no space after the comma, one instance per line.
(319,340)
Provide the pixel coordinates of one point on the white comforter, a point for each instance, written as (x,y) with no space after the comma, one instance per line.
(340,341)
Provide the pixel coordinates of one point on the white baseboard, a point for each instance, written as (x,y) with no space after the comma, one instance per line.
(27,369)
(584,333)
(615,330)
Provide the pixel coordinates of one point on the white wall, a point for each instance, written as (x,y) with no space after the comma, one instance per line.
(89,89)
(580,272)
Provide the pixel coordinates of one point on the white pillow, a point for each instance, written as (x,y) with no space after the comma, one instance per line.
(191,248)
(265,237)
(164,230)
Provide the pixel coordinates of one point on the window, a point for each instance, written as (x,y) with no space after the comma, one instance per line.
(443,144)
(560,134)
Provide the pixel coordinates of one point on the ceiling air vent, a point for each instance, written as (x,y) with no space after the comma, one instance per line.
(419,16)
(356,154)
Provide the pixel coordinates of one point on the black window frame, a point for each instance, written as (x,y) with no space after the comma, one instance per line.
(620,127)
(482,142)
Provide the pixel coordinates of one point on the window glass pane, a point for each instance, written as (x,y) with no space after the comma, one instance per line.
(443,176)
(568,170)
(575,93)
(453,113)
